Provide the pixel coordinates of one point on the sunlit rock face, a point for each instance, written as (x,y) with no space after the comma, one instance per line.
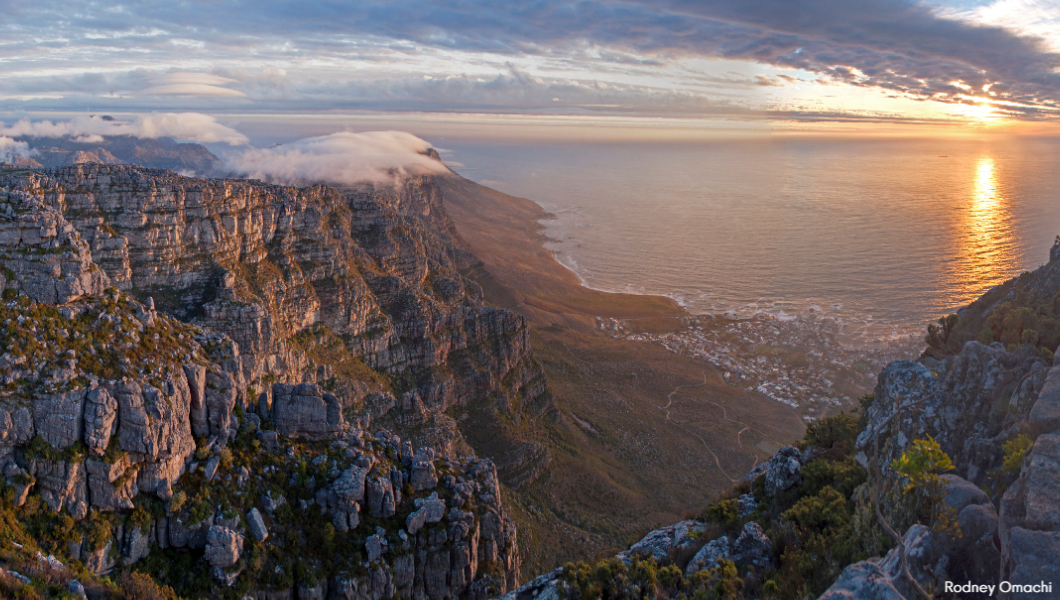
(157,326)
(368,276)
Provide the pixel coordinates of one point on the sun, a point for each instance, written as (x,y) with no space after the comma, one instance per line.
(983,113)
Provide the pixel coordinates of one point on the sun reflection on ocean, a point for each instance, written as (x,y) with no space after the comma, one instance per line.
(988,237)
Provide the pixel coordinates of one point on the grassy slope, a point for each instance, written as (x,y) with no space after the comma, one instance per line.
(644,436)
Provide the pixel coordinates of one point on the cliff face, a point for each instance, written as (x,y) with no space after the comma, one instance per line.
(373,274)
(194,364)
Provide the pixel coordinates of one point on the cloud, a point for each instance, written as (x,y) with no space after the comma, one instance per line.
(343,158)
(190,89)
(1033,17)
(190,84)
(10,149)
(513,92)
(899,46)
(194,127)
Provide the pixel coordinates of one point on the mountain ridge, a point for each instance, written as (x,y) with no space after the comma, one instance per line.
(299,366)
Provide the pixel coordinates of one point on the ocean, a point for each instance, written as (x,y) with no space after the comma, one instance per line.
(883,236)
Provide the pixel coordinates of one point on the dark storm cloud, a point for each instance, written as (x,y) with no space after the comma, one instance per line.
(894,45)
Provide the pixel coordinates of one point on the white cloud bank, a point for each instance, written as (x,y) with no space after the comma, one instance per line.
(342,158)
(9,149)
(195,127)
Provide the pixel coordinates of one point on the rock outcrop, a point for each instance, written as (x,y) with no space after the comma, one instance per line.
(970,404)
(1030,526)
(313,284)
(782,471)
(286,319)
(934,557)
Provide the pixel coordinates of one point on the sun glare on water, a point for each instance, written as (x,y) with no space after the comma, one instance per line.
(988,234)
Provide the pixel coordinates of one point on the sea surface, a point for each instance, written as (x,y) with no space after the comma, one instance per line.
(883,236)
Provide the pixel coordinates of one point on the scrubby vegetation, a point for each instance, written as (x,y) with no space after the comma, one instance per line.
(1013,314)
(613,579)
(815,529)
(53,349)
(33,540)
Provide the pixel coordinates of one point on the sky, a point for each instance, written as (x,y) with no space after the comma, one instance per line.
(750,65)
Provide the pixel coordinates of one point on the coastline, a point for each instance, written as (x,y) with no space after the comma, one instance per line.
(643,435)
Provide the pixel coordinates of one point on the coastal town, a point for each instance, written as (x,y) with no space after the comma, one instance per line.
(796,361)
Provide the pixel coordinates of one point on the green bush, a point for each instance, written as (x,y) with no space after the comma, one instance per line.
(725,513)
(829,431)
(177,501)
(842,475)
(828,509)
(1015,450)
(920,466)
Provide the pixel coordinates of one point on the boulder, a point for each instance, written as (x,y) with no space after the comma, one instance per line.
(304,410)
(211,467)
(752,547)
(137,545)
(349,487)
(1045,414)
(381,501)
(416,520)
(16,425)
(256,525)
(1029,529)
(959,493)
(58,417)
(196,376)
(375,546)
(662,543)
(223,547)
(101,412)
(433,507)
(863,581)
(221,392)
(783,470)
(424,476)
(884,580)
(1034,556)
(708,555)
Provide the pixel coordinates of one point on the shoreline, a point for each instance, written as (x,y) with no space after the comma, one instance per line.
(859,330)
(809,368)
(648,434)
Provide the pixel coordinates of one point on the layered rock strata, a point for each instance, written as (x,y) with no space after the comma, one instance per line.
(314,284)
(301,313)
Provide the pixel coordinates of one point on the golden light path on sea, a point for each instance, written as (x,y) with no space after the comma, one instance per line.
(988,235)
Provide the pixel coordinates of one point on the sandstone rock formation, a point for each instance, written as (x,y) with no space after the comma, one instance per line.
(313,285)
(970,404)
(286,320)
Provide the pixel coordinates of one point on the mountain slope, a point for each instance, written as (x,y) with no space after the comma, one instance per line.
(160,153)
(192,367)
(644,436)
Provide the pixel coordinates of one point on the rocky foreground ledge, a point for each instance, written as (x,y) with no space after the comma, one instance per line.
(804,524)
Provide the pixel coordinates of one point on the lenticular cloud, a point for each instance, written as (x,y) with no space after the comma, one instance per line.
(343,158)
